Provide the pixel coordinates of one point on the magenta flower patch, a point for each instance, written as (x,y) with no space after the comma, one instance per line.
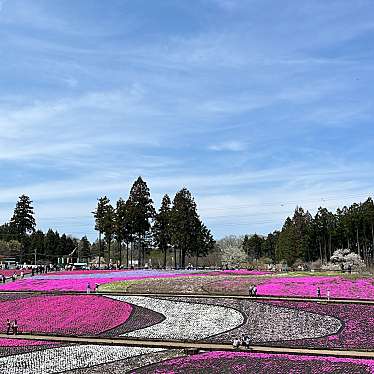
(75,315)
(338,287)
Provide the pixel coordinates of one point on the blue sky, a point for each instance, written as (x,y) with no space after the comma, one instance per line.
(255,106)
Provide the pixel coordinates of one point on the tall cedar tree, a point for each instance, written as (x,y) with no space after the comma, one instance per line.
(204,244)
(23,221)
(252,246)
(162,228)
(141,211)
(109,227)
(37,245)
(185,225)
(99,215)
(122,228)
(84,248)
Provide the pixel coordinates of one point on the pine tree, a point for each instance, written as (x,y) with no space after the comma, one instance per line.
(205,243)
(99,215)
(84,248)
(253,246)
(109,227)
(162,228)
(37,245)
(141,211)
(23,222)
(122,228)
(184,225)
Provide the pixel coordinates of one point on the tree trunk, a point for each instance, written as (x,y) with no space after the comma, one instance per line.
(325,249)
(320,250)
(165,250)
(127,255)
(330,246)
(197,258)
(131,251)
(139,252)
(109,243)
(175,257)
(99,248)
(358,242)
(120,252)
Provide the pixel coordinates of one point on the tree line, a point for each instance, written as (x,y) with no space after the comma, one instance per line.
(307,238)
(136,228)
(20,239)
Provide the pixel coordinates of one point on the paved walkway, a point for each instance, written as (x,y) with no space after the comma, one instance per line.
(204,296)
(172,344)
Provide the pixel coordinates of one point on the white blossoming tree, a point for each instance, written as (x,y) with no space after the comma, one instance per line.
(347,258)
(232,253)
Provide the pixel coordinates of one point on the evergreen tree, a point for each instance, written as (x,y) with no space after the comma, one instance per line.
(162,227)
(23,222)
(269,245)
(141,211)
(122,228)
(204,244)
(51,243)
(252,246)
(37,245)
(285,249)
(109,227)
(84,248)
(184,225)
(99,215)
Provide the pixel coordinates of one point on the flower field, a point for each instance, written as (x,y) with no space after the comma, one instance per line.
(230,362)
(75,315)
(281,323)
(8,273)
(276,285)
(78,280)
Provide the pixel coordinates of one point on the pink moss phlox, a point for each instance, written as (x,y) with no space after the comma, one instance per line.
(77,315)
(9,272)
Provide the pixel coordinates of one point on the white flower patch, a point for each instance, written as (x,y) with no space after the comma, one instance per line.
(57,360)
(184,321)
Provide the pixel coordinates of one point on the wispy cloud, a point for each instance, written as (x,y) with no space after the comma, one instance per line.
(233,146)
(267,108)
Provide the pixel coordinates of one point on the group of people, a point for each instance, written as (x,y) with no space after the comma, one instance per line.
(252,290)
(11,326)
(319,294)
(88,289)
(42,269)
(244,341)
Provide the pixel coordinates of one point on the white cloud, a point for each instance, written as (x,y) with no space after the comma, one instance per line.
(233,146)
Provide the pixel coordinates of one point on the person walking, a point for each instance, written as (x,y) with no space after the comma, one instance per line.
(250,291)
(318,292)
(8,326)
(14,277)
(3,279)
(236,343)
(88,288)
(328,295)
(246,341)
(15,327)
